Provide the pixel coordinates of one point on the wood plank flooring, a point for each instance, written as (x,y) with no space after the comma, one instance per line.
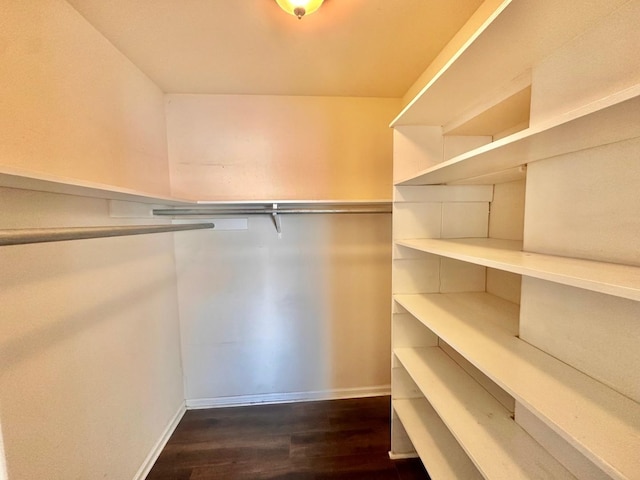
(329,440)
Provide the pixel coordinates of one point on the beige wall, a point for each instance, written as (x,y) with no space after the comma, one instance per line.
(90,372)
(484,12)
(302,316)
(72,105)
(228,147)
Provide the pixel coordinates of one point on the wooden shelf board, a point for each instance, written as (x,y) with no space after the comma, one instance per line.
(601,423)
(609,120)
(472,71)
(440,452)
(609,278)
(468,308)
(503,176)
(27,180)
(512,111)
(35,181)
(496,444)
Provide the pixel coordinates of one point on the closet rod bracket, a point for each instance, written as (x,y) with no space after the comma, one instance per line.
(276,219)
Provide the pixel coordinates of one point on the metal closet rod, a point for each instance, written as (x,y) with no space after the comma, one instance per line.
(280,209)
(43,235)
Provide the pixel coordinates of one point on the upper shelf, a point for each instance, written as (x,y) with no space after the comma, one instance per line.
(610,278)
(489,58)
(608,120)
(28,180)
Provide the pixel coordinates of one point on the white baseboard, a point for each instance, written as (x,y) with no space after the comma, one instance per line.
(402,456)
(146,466)
(242,400)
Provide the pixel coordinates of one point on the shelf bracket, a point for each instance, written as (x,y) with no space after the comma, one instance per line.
(276,219)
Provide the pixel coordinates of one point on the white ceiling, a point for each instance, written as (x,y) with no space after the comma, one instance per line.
(367,48)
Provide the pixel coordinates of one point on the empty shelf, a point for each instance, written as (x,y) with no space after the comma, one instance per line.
(29,180)
(497,445)
(610,278)
(439,450)
(612,119)
(600,422)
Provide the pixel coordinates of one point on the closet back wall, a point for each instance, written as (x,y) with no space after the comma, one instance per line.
(276,319)
(266,147)
(265,318)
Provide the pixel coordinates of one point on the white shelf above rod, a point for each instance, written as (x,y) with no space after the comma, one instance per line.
(43,235)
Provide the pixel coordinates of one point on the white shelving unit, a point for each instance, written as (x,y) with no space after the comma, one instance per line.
(28,180)
(610,278)
(611,119)
(517,36)
(433,440)
(542,104)
(495,443)
(601,422)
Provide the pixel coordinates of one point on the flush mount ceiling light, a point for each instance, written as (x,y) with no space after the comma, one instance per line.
(300,8)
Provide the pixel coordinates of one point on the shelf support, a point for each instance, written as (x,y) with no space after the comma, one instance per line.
(276,219)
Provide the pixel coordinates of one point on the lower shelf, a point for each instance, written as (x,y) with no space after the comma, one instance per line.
(601,423)
(438,449)
(496,444)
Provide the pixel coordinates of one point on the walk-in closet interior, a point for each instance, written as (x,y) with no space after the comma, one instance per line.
(212,203)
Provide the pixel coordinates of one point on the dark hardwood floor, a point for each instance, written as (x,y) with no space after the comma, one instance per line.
(329,440)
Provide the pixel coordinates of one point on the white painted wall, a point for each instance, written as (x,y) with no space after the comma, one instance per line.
(593,65)
(90,372)
(242,147)
(72,105)
(586,204)
(303,316)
